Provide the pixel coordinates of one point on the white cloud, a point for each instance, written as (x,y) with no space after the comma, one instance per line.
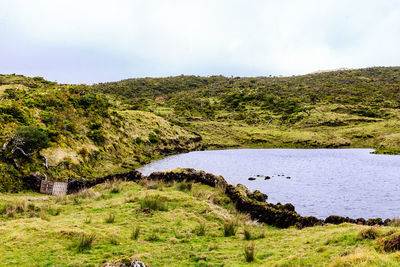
(89,41)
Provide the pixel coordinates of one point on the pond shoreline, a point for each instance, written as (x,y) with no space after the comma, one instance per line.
(253,203)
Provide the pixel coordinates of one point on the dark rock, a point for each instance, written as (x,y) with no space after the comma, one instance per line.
(334,219)
(361,221)
(387,222)
(76,185)
(251,178)
(267,178)
(288,177)
(309,221)
(257,195)
(377,221)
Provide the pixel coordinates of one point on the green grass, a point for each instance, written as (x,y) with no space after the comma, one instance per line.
(173,237)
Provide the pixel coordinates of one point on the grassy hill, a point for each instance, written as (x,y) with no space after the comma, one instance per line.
(79,132)
(170,224)
(88,131)
(346,108)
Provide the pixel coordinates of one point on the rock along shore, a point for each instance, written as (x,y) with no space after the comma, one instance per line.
(246,201)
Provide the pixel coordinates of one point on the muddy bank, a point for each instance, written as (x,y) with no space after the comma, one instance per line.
(252,202)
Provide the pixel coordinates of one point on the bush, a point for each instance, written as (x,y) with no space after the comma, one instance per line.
(13,113)
(94,125)
(31,138)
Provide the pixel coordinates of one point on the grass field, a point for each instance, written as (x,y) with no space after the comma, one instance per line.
(170,225)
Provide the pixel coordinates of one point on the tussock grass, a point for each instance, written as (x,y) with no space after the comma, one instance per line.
(368,233)
(153,202)
(170,238)
(230,227)
(135,233)
(153,236)
(110,218)
(114,240)
(85,242)
(185,186)
(249,252)
(200,229)
(250,235)
(395,222)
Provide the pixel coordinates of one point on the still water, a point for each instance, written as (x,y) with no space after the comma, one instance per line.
(323,182)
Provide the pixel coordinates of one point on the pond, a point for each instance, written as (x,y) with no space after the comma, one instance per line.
(318,182)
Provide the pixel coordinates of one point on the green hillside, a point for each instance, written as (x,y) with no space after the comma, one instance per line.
(347,108)
(88,131)
(79,132)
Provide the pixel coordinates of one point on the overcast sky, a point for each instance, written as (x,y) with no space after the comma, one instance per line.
(86,41)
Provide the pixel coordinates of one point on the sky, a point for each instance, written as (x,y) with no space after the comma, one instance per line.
(90,41)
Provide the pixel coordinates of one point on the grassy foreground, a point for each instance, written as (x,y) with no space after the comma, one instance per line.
(179,224)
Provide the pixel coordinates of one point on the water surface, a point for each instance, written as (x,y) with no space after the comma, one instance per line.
(323,182)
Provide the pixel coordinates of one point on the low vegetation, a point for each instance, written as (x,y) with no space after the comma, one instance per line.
(192,232)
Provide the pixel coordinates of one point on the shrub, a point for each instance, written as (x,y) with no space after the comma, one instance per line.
(368,233)
(94,125)
(153,202)
(30,139)
(230,228)
(13,113)
(85,242)
(249,252)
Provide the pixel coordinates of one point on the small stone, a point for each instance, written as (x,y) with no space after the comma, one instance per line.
(267,178)
(251,178)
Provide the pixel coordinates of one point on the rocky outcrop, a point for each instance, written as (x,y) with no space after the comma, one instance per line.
(75,185)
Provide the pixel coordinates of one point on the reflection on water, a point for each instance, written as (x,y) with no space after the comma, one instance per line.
(323,182)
